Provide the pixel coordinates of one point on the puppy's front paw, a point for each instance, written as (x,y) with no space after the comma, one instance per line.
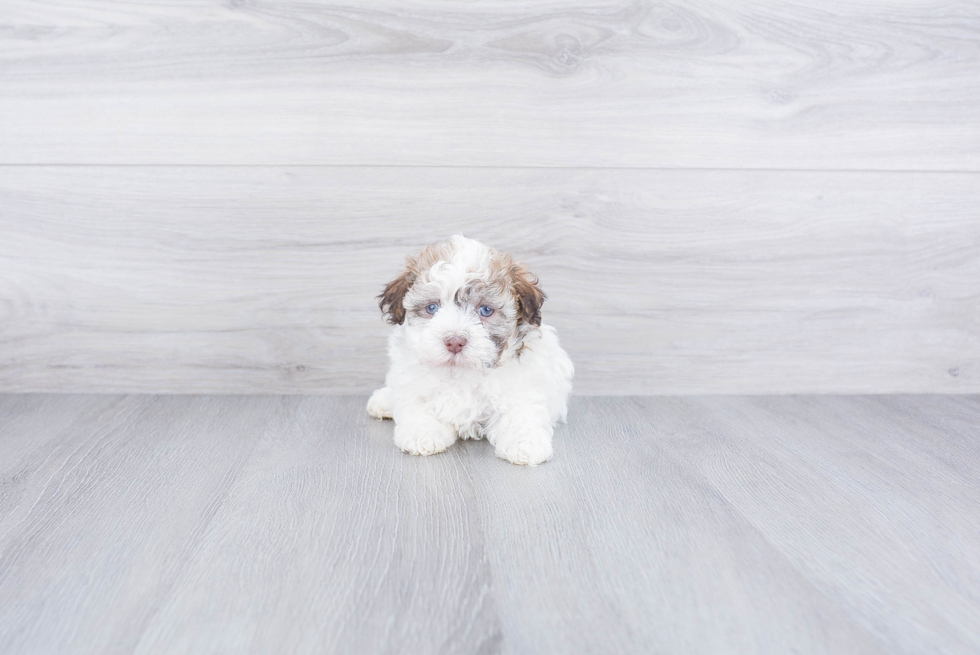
(379,404)
(424,437)
(528,448)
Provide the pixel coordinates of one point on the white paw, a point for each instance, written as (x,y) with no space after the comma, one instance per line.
(527,450)
(424,438)
(379,404)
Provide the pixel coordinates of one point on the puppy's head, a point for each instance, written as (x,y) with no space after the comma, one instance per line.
(463,304)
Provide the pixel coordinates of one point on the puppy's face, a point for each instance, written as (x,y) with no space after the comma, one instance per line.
(463,304)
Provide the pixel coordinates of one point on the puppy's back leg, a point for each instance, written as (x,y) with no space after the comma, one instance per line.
(379,404)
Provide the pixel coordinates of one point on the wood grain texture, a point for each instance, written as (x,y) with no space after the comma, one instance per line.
(615,548)
(673,525)
(99,520)
(614,83)
(333,541)
(250,279)
(793,465)
(233,524)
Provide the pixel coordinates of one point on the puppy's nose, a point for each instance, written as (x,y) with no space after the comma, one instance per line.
(455,343)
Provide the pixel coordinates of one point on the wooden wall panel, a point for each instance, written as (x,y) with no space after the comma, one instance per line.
(254,279)
(761,197)
(617,83)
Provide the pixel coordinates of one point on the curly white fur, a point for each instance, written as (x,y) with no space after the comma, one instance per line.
(510,381)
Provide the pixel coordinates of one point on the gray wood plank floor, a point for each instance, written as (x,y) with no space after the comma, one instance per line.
(157,524)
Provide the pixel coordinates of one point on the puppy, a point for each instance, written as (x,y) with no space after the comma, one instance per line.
(470,357)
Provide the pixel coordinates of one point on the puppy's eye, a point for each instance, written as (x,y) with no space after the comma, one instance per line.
(433,308)
(485,310)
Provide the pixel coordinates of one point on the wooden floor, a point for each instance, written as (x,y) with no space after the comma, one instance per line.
(199,524)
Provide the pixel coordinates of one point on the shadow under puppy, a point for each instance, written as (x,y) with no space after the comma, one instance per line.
(470,357)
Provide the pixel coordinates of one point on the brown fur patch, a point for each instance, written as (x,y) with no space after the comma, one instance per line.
(500,342)
(529,295)
(391,299)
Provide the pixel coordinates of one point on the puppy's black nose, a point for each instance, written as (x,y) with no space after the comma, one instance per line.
(455,344)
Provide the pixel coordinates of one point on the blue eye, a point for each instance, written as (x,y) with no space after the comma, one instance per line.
(433,308)
(485,310)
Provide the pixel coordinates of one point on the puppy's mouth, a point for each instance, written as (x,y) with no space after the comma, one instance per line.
(461,361)
(458,360)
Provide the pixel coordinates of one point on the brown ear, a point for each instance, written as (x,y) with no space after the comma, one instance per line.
(390,300)
(529,296)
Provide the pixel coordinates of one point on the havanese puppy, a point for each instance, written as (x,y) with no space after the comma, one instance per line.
(470,357)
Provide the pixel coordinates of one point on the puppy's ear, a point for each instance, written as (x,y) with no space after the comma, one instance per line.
(529,296)
(390,300)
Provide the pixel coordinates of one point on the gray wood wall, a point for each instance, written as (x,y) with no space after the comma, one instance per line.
(753,197)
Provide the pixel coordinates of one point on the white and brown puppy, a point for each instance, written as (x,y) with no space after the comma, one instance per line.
(470,357)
